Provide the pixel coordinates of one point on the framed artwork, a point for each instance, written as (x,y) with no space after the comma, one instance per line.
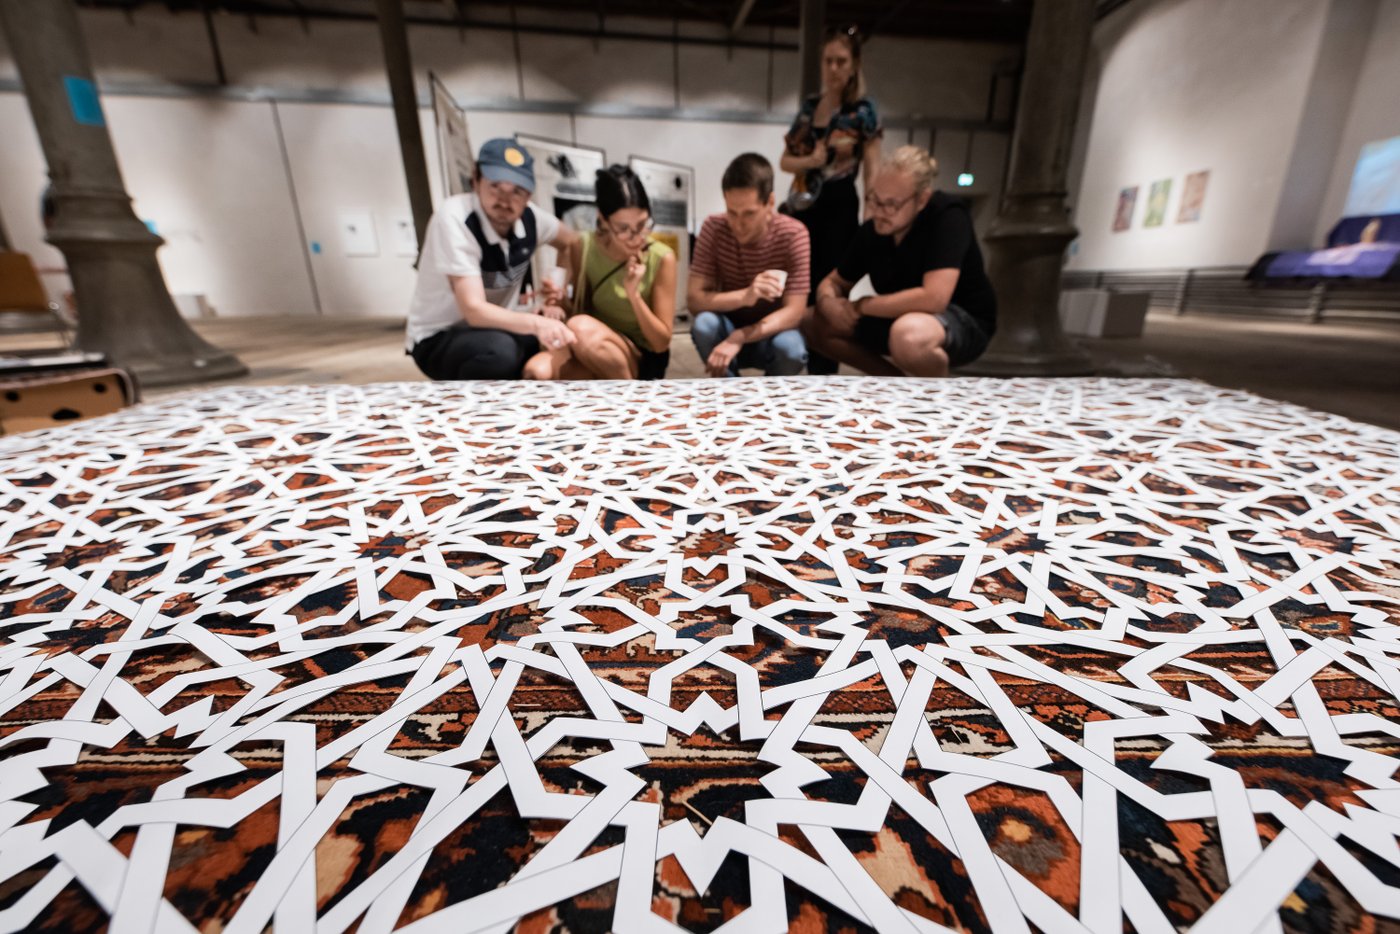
(1157,198)
(1193,196)
(671,190)
(564,177)
(1123,216)
(454,146)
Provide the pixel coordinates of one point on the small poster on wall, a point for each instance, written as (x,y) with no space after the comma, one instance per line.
(1123,217)
(1193,196)
(1157,199)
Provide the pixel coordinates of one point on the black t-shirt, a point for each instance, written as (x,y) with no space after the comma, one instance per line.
(941,238)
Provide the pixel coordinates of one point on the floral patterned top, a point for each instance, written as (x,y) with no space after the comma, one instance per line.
(846,133)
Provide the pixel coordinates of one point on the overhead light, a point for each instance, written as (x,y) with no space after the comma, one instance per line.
(965,180)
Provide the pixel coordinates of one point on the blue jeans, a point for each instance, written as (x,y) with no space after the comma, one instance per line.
(783,354)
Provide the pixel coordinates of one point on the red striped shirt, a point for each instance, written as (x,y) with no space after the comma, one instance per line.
(730,266)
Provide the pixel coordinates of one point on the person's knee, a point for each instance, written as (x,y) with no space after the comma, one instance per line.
(914,334)
(789,353)
(706,331)
(538,367)
(706,327)
(916,345)
(585,327)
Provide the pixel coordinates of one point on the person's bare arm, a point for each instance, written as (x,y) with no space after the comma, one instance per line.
(784,318)
(834,308)
(657,316)
(480,313)
(700,294)
(931,298)
(814,160)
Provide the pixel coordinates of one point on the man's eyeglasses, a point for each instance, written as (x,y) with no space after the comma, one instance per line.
(877,203)
(627,233)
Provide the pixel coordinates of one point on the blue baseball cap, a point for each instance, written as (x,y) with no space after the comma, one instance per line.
(505,160)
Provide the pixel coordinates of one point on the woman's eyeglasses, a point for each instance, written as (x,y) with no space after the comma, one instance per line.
(627,233)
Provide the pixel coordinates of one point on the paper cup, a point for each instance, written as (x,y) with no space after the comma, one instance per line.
(557,277)
(782,277)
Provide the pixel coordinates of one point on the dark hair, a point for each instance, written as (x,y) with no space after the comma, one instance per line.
(749,170)
(848,36)
(618,187)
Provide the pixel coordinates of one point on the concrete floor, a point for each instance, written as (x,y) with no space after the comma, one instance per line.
(1349,369)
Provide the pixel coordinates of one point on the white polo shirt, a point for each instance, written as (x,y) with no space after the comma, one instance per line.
(450,249)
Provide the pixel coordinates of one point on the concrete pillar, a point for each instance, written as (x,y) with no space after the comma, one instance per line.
(1026,243)
(397,62)
(124,308)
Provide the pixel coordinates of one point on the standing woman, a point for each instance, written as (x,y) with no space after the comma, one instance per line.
(836,134)
(625,297)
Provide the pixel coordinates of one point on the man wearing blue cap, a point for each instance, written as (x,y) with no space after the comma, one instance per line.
(475,255)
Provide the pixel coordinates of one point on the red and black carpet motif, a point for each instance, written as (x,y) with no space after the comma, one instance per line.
(759,655)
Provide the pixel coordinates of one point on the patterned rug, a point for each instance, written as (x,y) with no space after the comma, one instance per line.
(751,655)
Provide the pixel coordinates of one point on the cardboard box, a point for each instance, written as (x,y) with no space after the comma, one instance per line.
(43,400)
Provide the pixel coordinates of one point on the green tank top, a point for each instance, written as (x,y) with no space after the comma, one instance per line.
(603,294)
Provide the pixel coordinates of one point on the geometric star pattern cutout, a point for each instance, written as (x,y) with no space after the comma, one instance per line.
(750,655)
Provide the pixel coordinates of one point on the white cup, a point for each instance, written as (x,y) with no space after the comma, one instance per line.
(781,275)
(557,276)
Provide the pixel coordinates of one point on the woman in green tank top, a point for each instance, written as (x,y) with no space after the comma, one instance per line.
(624,295)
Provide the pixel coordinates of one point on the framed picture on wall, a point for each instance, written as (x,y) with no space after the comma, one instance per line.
(1157,199)
(454,146)
(1193,196)
(564,175)
(1123,216)
(671,189)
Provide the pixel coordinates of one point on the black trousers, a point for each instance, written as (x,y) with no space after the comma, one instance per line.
(465,352)
(832,222)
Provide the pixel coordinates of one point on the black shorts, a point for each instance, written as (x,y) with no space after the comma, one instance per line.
(963,338)
(465,352)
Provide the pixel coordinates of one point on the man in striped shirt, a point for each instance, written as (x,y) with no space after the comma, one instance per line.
(749,279)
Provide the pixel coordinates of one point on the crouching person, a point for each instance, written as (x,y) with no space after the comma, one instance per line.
(934,307)
(475,255)
(624,294)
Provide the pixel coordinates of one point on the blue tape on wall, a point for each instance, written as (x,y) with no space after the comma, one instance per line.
(82,97)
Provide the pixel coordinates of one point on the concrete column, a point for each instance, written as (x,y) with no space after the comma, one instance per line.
(1027,241)
(399,65)
(124,308)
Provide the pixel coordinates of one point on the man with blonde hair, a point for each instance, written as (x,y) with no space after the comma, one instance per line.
(934,307)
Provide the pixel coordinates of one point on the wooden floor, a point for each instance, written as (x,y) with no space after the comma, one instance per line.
(1353,370)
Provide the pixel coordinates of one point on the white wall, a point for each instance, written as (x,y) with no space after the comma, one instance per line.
(1189,85)
(209,175)
(1374,113)
(1274,97)
(210,171)
(1346,31)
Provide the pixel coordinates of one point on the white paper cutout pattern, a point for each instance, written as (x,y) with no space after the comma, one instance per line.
(903,655)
